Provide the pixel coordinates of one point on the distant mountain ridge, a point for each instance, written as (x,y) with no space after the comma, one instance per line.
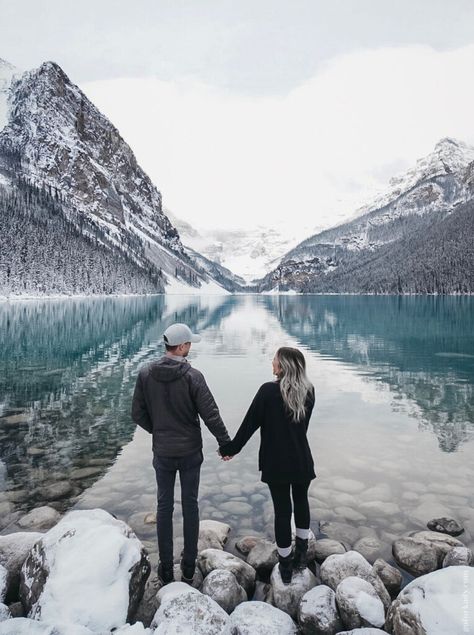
(54,138)
(368,254)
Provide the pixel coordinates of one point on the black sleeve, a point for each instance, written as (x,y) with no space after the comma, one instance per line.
(140,413)
(310,399)
(208,410)
(252,421)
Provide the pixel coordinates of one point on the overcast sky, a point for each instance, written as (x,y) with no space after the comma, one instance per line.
(262,111)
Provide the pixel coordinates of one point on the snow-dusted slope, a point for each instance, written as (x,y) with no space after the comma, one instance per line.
(56,138)
(414,202)
(7,71)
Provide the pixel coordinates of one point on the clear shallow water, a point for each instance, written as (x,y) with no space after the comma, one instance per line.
(392,433)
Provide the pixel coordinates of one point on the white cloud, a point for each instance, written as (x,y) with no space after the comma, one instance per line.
(311,157)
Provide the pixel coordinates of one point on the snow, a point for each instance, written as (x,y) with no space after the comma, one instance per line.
(7,71)
(179,287)
(25,626)
(89,555)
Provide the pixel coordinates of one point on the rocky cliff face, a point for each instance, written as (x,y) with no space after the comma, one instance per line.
(55,138)
(438,186)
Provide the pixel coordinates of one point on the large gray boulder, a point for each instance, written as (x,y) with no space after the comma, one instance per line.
(89,569)
(318,613)
(223,588)
(339,566)
(252,618)
(187,612)
(457,556)
(212,534)
(424,551)
(446,526)
(13,551)
(390,576)
(325,547)
(434,604)
(211,559)
(263,557)
(287,596)
(359,603)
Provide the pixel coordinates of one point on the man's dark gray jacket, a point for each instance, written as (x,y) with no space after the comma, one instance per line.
(169,395)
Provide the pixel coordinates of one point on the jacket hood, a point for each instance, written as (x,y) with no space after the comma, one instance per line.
(167,370)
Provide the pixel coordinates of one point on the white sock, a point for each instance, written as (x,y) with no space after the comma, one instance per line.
(302,533)
(284,551)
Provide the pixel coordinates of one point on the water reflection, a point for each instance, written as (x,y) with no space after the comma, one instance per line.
(421,347)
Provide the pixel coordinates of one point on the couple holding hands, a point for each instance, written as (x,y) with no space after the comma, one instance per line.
(170,396)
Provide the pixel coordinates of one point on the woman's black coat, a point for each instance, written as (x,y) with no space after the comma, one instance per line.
(284,455)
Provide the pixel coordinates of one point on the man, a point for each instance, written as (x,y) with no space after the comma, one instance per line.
(169,395)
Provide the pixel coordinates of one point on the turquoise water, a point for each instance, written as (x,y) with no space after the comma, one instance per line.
(392,433)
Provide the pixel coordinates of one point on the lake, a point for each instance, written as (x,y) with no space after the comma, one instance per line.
(392,432)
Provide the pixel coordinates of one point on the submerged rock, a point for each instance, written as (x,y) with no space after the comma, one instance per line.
(223,588)
(252,618)
(434,604)
(359,603)
(370,547)
(318,612)
(446,526)
(43,518)
(88,569)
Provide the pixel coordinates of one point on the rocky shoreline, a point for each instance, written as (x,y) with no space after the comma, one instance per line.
(87,572)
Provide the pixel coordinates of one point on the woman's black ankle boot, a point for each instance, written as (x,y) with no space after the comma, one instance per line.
(301,549)
(286,568)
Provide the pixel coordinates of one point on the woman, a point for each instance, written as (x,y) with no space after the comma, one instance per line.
(282,409)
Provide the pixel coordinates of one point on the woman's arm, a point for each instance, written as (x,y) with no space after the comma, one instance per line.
(310,399)
(252,421)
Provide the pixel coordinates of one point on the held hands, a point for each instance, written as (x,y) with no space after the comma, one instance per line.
(224,458)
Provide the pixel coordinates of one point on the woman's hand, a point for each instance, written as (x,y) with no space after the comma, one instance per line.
(223,456)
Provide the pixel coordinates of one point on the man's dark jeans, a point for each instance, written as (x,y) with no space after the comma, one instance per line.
(189,468)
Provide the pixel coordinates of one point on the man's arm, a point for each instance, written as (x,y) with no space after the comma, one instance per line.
(140,413)
(208,410)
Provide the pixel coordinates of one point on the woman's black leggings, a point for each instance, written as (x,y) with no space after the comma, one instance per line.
(282,505)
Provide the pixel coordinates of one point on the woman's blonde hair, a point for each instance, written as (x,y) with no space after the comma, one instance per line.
(294,384)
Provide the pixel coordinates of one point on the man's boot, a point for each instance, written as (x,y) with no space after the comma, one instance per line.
(285,567)
(165,573)
(187,571)
(301,550)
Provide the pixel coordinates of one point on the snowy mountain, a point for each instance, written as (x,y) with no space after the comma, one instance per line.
(55,140)
(7,71)
(415,206)
(250,254)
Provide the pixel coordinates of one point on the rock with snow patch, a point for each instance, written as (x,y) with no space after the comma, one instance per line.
(434,604)
(13,551)
(255,617)
(339,566)
(457,556)
(188,612)
(318,613)
(211,559)
(287,596)
(359,603)
(223,588)
(423,551)
(88,569)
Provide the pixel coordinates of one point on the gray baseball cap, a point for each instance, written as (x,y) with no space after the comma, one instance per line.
(178,333)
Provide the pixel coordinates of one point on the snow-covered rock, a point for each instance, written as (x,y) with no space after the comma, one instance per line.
(438,603)
(133,629)
(252,618)
(318,612)
(223,588)
(3,582)
(287,596)
(40,518)
(27,626)
(187,612)
(4,612)
(89,569)
(339,566)
(359,603)
(13,551)
(211,559)
(458,556)
(363,631)
(424,551)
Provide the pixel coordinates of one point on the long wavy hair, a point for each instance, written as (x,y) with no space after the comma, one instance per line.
(294,384)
